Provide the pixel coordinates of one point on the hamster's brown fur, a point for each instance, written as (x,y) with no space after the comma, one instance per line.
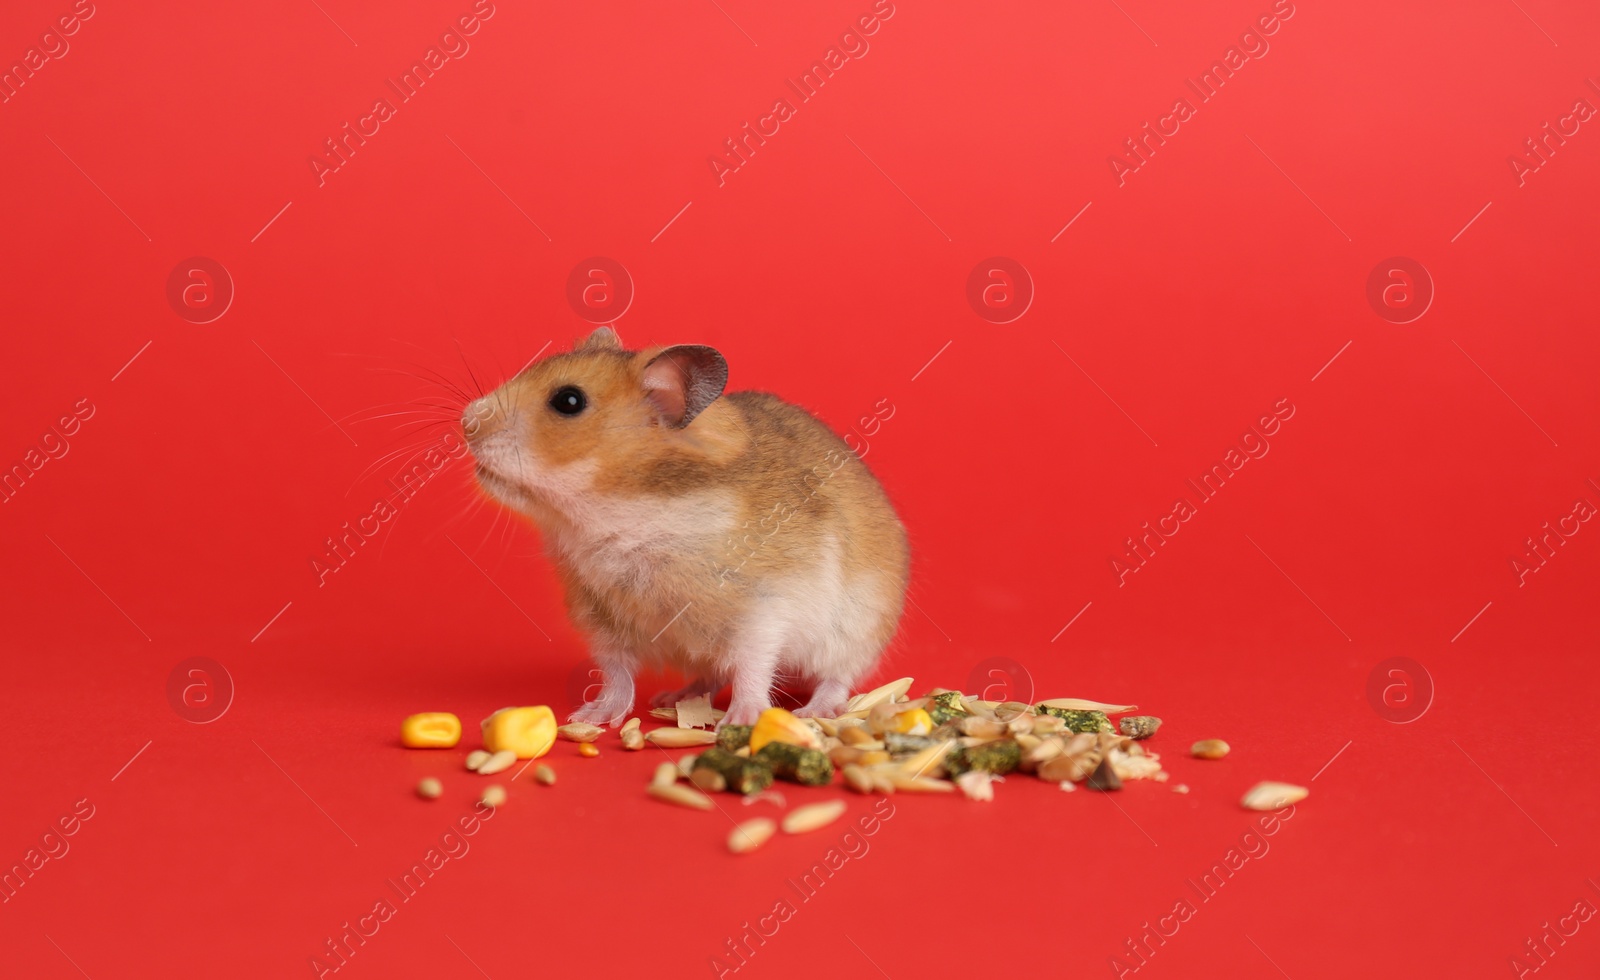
(735,538)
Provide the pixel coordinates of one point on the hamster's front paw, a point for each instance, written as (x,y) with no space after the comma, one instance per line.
(742,713)
(602,712)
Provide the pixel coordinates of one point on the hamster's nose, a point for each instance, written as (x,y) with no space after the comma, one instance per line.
(476,419)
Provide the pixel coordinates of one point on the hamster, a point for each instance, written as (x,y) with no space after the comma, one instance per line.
(733,537)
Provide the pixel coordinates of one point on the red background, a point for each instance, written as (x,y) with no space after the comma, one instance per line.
(1224,275)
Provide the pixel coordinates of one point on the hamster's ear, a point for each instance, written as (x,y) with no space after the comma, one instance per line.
(681,381)
(602,339)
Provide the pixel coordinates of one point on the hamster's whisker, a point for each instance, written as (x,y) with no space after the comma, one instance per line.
(470,373)
(436,413)
(468,510)
(433,378)
(494,523)
(437,376)
(413,448)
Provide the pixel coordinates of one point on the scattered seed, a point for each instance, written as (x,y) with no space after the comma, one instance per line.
(666,774)
(476,758)
(979,727)
(499,762)
(812,816)
(632,740)
(1048,725)
(1029,742)
(1129,766)
(921,784)
(845,755)
(928,762)
(1079,704)
(430,789)
(686,764)
(588,750)
(495,795)
(681,738)
(633,723)
(1104,777)
(544,775)
(1210,748)
(892,691)
(976,785)
(857,779)
(1007,710)
(751,834)
(1138,726)
(856,735)
(1273,796)
(580,732)
(1180,788)
(1068,786)
(681,795)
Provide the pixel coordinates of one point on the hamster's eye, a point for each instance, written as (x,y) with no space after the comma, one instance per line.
(568,400)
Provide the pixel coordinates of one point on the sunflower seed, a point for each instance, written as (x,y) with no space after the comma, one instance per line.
(1104,777)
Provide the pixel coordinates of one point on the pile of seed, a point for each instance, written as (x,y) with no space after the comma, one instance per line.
(886,742)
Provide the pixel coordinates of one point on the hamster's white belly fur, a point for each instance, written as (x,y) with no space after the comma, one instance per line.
(813,621)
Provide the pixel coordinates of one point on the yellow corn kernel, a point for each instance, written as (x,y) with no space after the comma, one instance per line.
(778,725)
(529,732)
(431,730)
(914,722)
